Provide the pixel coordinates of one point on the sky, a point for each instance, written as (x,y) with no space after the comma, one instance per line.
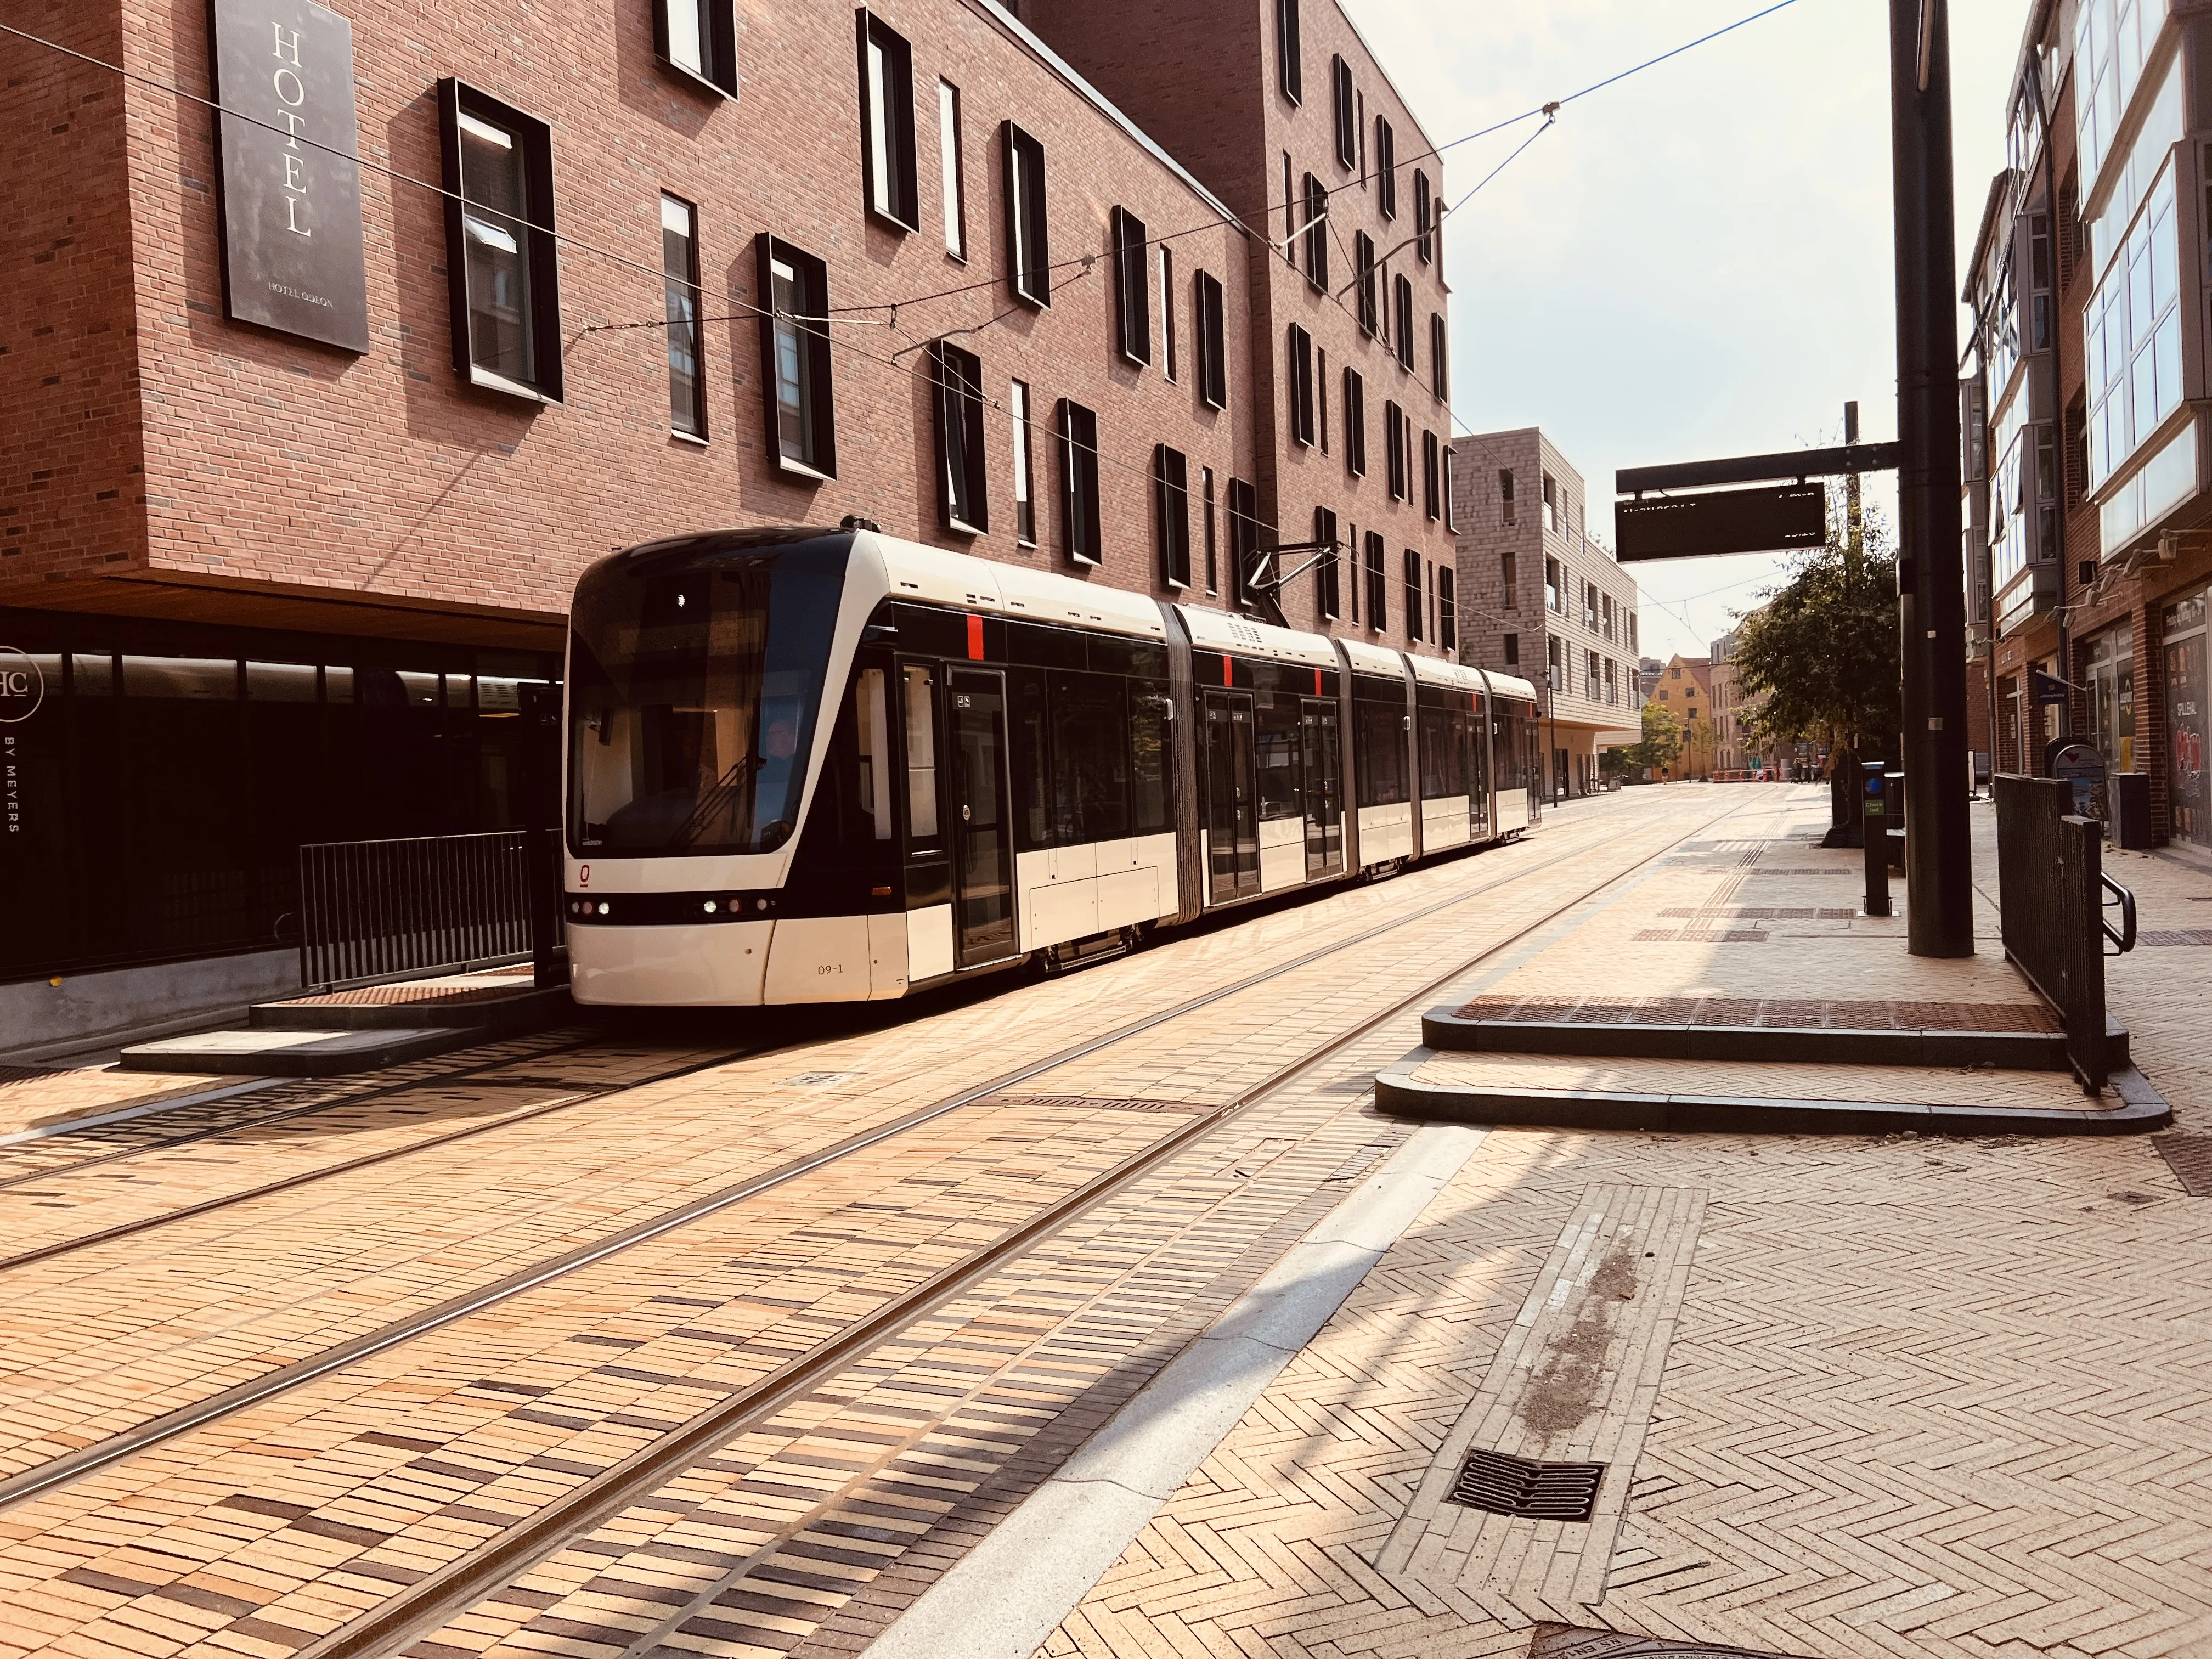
(1693,263)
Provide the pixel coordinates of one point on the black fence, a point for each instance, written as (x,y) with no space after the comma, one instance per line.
(2052,894)
(382,909)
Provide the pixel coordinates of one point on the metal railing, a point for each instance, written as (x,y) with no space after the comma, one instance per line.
(2051,898)
(380,909)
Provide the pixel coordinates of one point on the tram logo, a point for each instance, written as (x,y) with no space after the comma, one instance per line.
(22,686)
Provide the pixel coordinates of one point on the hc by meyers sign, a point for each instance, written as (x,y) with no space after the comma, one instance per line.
(291,189)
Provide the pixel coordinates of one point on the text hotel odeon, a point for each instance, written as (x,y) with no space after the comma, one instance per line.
(305,457)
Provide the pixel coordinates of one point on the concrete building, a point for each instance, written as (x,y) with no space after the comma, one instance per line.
(304,457)
(1540,598)
(2092,362)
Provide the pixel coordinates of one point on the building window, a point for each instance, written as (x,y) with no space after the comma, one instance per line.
(1432,475)
(1386,165)
(1351,558)
(1316,233)
(1509,587)
(1448,608)
(1289,70)
(887,124)
(1213,561)
(1439,359)
(1363,264)
(949,157)
(1246,563)
(1325,589)
(1552,599)
(1355,423)
(679,262)
(1290,216)
(1024,466)
(1378,585)
(1452,511)
(1506,498)
(1212,344)
(1340,111)
(1423,212)
(1171,513)
(1302,385)
(700,38)
(1589,606)
(1612,682)
(1551,504)
(1320,394)
(1402,291)
(1512,650)
(1590,677)
(1554,671)
(1078,481)
(1167,313)
(1394,442)
(962,473)
(1416,606)
(795,350)
(1029,252)
(1132,288)
(502,269)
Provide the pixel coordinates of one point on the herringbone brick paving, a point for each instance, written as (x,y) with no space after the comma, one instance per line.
(1922,1398)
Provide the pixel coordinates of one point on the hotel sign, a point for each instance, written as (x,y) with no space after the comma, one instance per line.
(290,186)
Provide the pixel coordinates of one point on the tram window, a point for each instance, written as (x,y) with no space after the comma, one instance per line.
(1443,753)
(921,752)
(1150,741)
(1032,775)
(1089,758)
(1277,734)
(1381,728)
(874,769)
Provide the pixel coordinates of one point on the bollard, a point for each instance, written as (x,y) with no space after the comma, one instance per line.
(1873,807)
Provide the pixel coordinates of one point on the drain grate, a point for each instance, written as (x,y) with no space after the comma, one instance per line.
(2190,1157)
(1092,1104)
(2175,936)
(1513,1486)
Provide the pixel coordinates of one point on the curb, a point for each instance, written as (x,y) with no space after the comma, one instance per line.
(1817,1045)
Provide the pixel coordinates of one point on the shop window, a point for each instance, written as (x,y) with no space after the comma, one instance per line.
(502,263)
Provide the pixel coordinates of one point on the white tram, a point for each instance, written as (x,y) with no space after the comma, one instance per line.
(816,766)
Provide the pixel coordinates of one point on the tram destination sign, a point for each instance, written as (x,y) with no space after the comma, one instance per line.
(290,188)
(1774,519)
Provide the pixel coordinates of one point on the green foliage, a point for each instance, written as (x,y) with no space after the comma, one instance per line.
(1662,738)
(1823,652)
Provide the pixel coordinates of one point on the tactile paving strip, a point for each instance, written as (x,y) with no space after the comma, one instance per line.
(1796,1013)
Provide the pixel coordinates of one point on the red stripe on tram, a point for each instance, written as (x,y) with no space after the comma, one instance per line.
(1228,676)
(975,639)
(1316,682)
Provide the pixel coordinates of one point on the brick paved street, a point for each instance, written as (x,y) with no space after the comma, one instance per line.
(1903,1395)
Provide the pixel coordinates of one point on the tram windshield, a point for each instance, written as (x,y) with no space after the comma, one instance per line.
(692,697)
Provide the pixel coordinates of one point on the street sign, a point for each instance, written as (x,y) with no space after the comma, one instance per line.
(2046,688)
(1777,519)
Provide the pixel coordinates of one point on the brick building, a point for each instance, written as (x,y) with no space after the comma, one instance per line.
(1541,599)
(2089,421)
(1684,690)
(626,271)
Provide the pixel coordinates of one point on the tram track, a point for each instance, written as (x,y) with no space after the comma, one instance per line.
(109,1450)
(484,1073)
(428,1604)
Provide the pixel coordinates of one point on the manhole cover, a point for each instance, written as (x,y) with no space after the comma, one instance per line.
(1572,1642)
(819,1079)
(2190,1157)
(1513,1486)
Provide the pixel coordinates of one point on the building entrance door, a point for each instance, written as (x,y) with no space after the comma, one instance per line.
(2186,722)
(983,859)
(1232,822)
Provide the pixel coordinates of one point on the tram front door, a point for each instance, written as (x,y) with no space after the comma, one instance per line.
(1324,770)
(983,855)
(1232,821)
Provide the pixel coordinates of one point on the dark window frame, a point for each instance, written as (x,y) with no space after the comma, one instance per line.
(1212,342)
(1355,422)
(688,279)
(964,470)
(1397,466)
(1432,475)
(1021,413)
(1341,112)
(1299,370)
(1439,357)
(1386,165)
(718,69)
(1401,293)
(1171,514)
(1423,217)
(1132,288)
(1076,429)
(1290,63)
(1448,608)
(537,233)
(1326,596)
(1416,599)
(1451,511)
(808,272)
(1378,585)
(1212,540)
(903,212)
(1029,239)
(1363,264)
(1315,205)
(1243,498)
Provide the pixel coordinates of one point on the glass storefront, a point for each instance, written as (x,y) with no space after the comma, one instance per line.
(2112,696)
(2185,721)
(156,787)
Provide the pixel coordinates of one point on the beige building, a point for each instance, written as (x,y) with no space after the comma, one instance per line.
(1540,598)
(1684,690)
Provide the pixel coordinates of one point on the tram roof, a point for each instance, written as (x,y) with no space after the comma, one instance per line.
(1367,659)
(936,576)
(1217,630)
(1509,685)
(1442,671)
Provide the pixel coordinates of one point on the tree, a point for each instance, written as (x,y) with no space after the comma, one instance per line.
(1662,738)
(1822,652)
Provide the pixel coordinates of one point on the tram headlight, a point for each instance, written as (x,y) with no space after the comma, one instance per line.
(604,907)
(710,907)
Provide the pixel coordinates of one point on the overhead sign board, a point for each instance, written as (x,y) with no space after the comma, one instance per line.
(291,188)
(1777,519)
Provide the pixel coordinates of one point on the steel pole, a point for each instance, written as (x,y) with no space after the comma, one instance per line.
(1931,601)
